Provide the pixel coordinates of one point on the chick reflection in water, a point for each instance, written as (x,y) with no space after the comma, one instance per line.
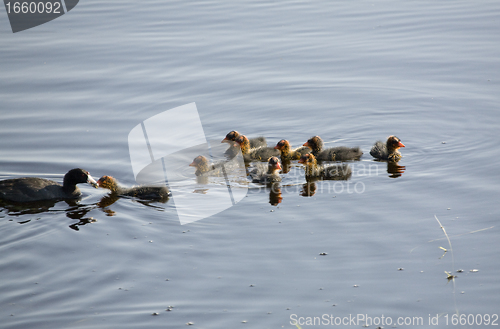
(394,169)
(309,188)
(275,197)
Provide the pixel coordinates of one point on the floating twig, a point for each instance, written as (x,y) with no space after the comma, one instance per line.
(449,276)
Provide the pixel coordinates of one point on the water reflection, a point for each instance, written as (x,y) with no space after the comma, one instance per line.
(394,169)
(107,201)
(332,178)
(78,213)
(308,189)
(285,166)
(275,197)
(30,208)
(111,198)
(75,211)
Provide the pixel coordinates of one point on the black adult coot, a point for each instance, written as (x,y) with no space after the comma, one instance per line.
(287,153)
(160,193)
(29,189)
(339,153)
(388,151)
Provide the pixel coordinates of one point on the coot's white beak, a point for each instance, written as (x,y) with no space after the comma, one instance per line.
(92,181)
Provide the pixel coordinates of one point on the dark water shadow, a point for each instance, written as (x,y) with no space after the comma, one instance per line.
(309,188)
(30,208)
(275,196)
(285,166)
(76,211)
(395,170)
(107,200)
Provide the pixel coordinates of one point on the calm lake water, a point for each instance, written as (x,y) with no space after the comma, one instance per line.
(71,91)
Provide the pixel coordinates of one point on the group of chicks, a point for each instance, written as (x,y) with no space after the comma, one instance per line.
(309,154)
(32,189)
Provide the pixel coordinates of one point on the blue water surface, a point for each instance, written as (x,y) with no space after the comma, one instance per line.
(72,89)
